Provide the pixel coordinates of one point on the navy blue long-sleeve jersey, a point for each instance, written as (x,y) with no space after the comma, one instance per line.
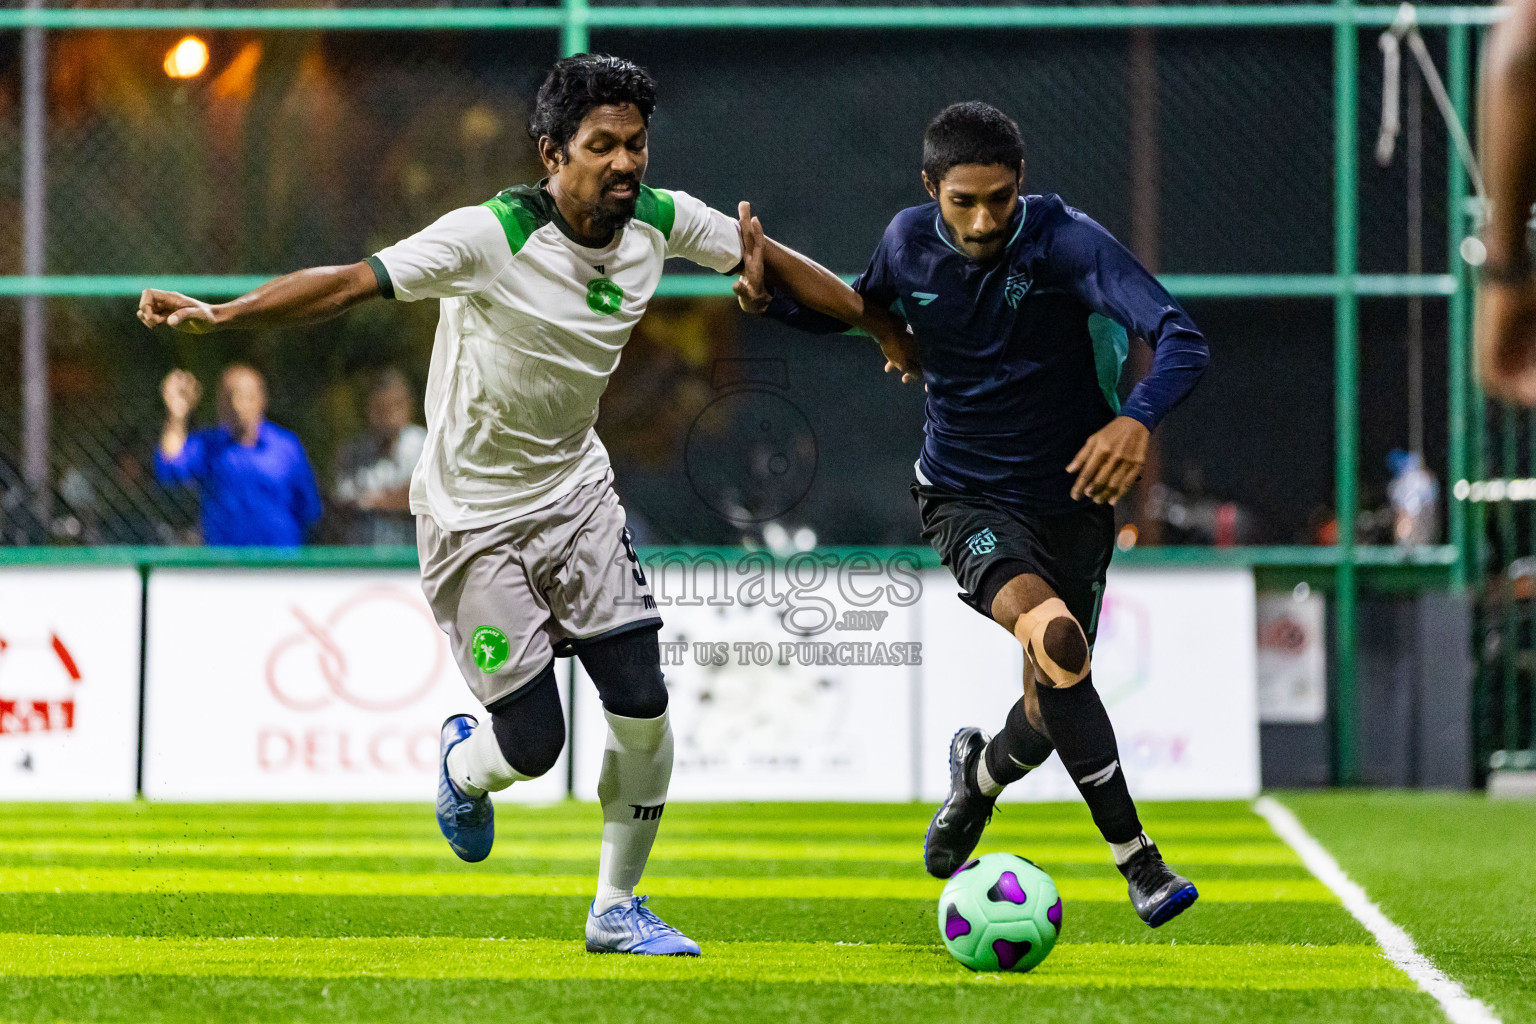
(1022,355)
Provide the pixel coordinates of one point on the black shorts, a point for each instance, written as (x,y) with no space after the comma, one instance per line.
(986,543)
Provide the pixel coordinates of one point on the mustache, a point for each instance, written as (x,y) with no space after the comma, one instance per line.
(617,180)
(984,239)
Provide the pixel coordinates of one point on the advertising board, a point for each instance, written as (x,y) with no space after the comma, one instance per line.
(837,679)
(69,683)
(279,685)
(1293,657)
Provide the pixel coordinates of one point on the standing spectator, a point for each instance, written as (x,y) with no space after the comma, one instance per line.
(373,475)
(256,482)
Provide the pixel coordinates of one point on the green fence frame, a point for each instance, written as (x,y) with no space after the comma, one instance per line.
(1342,568)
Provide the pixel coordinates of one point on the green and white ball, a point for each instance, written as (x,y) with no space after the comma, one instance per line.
(1000,913)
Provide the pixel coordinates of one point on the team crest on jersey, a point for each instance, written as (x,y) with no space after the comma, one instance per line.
(1015,288)
(981,543)
(604,297)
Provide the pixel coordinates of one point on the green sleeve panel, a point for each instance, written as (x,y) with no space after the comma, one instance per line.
(517,215)
(657,208)
(1110,347)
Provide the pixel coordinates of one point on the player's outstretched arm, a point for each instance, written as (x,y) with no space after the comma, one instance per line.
(1506,319)
(303,297)
(767,265)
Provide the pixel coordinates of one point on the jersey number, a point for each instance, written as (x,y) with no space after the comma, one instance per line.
(1098,603)
(628,540)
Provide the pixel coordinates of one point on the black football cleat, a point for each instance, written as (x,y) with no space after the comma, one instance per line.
(1157,893)
(956,826)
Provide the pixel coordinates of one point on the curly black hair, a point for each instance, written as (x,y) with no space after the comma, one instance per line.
(577,84)
(970,133)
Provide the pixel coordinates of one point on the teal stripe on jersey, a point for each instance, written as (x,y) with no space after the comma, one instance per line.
(657,208)
(1110,347)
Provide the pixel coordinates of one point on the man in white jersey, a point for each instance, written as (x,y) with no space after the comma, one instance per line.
(523,545)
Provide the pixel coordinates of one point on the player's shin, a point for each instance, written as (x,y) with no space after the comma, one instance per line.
(477,765)
(1085,740)
(1014,752)
(521,740)
(637,768)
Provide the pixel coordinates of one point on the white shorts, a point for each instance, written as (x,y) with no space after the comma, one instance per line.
(511,597)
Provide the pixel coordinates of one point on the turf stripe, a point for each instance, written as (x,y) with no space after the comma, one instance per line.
(1460,1007)
(423,828)
(1108,965)
(661,866)
(578,821)
(363,883)
(231,915)
(1243,854)
(1218,812)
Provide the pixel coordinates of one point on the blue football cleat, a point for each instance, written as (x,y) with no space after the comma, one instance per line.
(468,823)
(1158,894)
(630,928)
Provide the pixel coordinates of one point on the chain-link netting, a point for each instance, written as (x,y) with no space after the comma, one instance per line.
(297,148)
(293,149)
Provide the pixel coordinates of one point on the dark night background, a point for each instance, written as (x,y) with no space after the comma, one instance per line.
(304,148)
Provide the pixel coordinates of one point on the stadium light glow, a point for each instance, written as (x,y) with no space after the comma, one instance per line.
(187,59)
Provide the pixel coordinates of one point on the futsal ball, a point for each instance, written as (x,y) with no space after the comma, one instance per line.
(1000,913)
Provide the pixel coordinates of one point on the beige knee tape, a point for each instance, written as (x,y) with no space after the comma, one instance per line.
(1030,630)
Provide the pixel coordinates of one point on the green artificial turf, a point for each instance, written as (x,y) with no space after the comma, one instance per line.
(1454,870)
(145,912)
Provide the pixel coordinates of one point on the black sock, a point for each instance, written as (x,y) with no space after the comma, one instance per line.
(1018,748)
(1077,721)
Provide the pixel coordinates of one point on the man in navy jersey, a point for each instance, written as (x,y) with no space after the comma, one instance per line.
(1019,308)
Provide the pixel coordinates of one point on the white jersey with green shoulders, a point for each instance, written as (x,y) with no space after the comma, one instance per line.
(531,327)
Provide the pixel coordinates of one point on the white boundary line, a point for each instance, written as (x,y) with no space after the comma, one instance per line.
(1396,943)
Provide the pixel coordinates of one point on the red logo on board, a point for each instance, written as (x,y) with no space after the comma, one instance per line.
(32,714)
(314,646)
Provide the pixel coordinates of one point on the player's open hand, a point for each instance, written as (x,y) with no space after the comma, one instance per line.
(1110,461)
(181,393)
(1506,340)
(896,343)
(901,357)
(751,290)
(175,310)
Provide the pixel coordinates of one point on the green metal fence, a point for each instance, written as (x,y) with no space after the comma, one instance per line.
(1502,500)
(1347,564)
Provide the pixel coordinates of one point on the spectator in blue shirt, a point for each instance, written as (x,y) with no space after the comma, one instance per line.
(256,482)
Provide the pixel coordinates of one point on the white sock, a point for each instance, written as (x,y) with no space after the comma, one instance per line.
(984,781)
(476,765)
(637,766)
(1125,851)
